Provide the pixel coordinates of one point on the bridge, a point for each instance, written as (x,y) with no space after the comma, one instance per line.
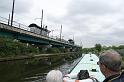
(21,33)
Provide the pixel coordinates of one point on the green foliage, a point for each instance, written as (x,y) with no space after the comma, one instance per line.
(87,50)
(121,47)
(63,50)
(10,47)
(53,50)
(120,51)
(79,49)
(98,47)
(123,58)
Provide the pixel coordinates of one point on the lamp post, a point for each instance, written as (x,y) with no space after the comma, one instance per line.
(9,19)
(62,37)
(41,21)
(61,33)
(12,12)
(73,37)
(52,33)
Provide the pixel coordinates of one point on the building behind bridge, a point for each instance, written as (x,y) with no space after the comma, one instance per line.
(38,30)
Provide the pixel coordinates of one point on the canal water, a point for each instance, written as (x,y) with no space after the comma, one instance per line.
(30,70)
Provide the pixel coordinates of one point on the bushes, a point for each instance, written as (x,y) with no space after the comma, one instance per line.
(63,50)
(120,51)
(57,50)
(11,47)
(53,50)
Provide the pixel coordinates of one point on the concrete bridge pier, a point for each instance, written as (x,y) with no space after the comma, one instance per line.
(71,49)
(44,48)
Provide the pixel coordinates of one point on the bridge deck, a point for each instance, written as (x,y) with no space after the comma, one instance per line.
(22,31)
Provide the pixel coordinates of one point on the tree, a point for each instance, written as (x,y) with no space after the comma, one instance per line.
(121,47)
(98,48)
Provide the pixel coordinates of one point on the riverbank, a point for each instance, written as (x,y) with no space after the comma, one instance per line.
(12,49)
(31,70)
(41,56)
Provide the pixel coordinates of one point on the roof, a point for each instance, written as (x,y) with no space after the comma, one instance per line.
(35,25)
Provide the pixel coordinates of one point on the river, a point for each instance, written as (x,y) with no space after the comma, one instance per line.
(30,70)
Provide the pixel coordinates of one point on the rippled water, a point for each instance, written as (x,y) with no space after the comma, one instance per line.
(23,71)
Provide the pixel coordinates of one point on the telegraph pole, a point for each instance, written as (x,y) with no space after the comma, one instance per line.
(73,37)
(41,22)
(12,12)
(42,19)
(9,19)
(61,32)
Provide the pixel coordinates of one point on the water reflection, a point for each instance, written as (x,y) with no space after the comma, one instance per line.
(29,70)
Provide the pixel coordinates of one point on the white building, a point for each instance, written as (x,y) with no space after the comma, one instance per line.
(38,30)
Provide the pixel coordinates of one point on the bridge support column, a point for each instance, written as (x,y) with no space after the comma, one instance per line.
(71,49)
(44,48)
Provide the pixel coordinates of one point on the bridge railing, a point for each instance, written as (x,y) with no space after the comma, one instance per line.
(26,28)
(15,24)
(3,20)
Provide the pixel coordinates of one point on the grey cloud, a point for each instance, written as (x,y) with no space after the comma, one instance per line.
(95,29)
(92,39)
(5,6)
(91,21)
(95,7)
(118,34)
(21,6)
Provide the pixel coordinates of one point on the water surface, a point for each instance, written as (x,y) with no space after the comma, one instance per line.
(30,70)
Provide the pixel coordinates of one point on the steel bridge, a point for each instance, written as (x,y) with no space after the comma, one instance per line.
(21,33)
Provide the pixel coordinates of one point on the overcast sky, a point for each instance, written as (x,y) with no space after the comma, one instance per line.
(89,21)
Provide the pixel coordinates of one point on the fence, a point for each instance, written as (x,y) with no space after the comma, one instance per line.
(15,24)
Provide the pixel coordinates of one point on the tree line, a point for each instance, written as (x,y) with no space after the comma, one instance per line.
(98,48)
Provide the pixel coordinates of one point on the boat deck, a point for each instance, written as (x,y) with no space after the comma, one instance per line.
(89,62)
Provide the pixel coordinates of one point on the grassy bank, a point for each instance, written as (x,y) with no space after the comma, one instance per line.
(10,47)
